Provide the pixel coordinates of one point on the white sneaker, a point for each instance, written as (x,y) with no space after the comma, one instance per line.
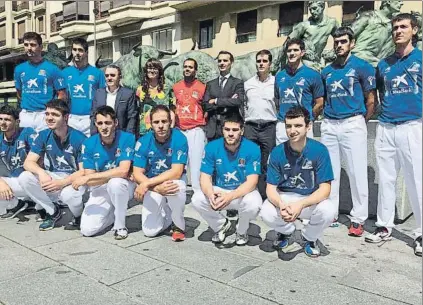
(417,245)
(380,234)
(219,237)
(241,239)
(121,234)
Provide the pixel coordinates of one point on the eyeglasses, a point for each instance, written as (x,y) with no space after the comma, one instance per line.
(111,75)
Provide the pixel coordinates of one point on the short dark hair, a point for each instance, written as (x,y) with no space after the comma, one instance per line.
(193,60)
(298,112)
(158,108)
(297,41)
(405,16)
(233,117)
(320,3)
(231,57)
(9,110)
(82,42)
(33,36)
(342,31)
(105,111)
(113,66)
(265,52)
(59,105)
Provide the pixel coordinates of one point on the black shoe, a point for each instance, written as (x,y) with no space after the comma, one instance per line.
(41,215)
(231,213)
(75,224)
(12,213)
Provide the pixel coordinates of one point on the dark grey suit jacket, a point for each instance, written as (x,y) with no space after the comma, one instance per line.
(126,107)
(225,103)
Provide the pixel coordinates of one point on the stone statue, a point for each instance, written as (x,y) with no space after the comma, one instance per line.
(418,40)
(315,33)
(373,32)
(56,56)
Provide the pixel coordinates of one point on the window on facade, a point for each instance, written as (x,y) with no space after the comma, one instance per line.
(206,34)
(75,10)
(2,35)
(162,39)
(40,21)
(246,27)
(21,31)
(290,14)
(105,50)
(13,31)
(350,8)
(127,43)
(103,8)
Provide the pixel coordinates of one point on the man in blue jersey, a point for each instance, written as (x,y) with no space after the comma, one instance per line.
(350,97)
(298,184)
(61,146)
(229,175)
(82,82)
(297,84)
(398,141)
(37,81)
(14,147)
(107,158)
(159,168)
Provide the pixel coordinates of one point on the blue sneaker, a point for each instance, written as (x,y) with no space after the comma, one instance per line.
(281,241)
(50,220)
(311,248)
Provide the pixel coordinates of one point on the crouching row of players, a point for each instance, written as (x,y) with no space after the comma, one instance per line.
(60,164)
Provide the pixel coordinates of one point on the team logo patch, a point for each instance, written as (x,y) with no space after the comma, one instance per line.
(69,149)
(351,73)
(179,153)
(204,154)
(70,77)
(42,72)
(21,144)
(49,147)
(151,153)
(195,94)
(22,74)
(128,151)
(96,156)
(82,149)
(169,152)
(117,154)
(241,162)
(300,82)
(414,67)
(255,163)
(91,77)
(137,146)
(218,161)
(371,79)
(3,153)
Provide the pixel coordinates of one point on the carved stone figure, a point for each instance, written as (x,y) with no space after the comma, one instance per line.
(56,56)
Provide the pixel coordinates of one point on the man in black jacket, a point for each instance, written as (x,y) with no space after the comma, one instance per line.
(223,95)
(122,100)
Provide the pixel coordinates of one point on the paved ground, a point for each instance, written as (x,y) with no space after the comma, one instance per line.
(61,267)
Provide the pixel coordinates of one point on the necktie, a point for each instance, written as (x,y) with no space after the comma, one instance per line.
(221,82)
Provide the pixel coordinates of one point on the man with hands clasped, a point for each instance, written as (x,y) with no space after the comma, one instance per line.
(298,184)
(229,177)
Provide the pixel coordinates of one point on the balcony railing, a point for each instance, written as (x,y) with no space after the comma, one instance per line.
(123,3)
(38,2)
(2,43)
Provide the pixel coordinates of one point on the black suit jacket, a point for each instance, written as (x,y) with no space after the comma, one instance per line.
(225,103)
(126,108)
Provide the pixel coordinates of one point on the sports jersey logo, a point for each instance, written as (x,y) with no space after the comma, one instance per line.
(137,146)
(289,92)
(96,156)
(69,77)
(83,149)
(151,153)
(241,162)
(2,153)
(255,163)
(350,73)
(49,147)
(371,79)
(296,178)
(91,77)
(128,151)
(169,152)
(161,163)
(42,72)
(15,159)
(32,82)
(400,80)
(218,161)
(307,164)
(300,82)
(230,176)
(195,94)
(180,153)
(117,153)
(414,67)
(21,144)
(185,109)
(22,74)
(34,136)
(110,165)
(282,79)
(60,80)
(336,84)
(287,166)
(69,149)
(61,160)
(78,88)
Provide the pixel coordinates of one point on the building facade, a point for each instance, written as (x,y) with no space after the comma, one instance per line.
(113,27)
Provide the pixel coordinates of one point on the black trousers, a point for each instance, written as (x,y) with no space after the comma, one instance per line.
(264,135)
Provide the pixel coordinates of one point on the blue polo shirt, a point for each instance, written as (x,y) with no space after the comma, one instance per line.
(82,85)
(345,88)
(230,170)
(63,157)
(38,83)
(299,173)
(101,157)
(300,88)
(399,81)
(156,157)
(13,153)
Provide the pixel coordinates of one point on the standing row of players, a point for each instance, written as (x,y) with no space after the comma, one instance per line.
(349,88)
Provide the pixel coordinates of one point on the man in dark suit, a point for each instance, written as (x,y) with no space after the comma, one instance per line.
(122,100)
(223,95)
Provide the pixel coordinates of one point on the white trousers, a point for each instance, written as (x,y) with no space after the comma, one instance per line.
(320,216)
(81,123)
(31,185)
(281,135)
(18,193)
(399,146)
(248,207)
(33,119)
(347,139)
(196,143)
(159,211)
(108,203)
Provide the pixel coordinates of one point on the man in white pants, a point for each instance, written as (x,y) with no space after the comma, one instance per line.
(36,81)
(14,147)
(350,97)
(61,146)
(189,94)
(82,81)
(159,165)
(298,185)
(297,84)
(398,141)
(107,159)
(229,175)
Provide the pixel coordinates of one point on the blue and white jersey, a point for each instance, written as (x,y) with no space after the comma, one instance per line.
(156,157)
(101,157)
(82,85)
(230,170)
(13,153)
(299,173)
(38,83)
(63,157)
(302,89)
(345,88)
(399,81)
